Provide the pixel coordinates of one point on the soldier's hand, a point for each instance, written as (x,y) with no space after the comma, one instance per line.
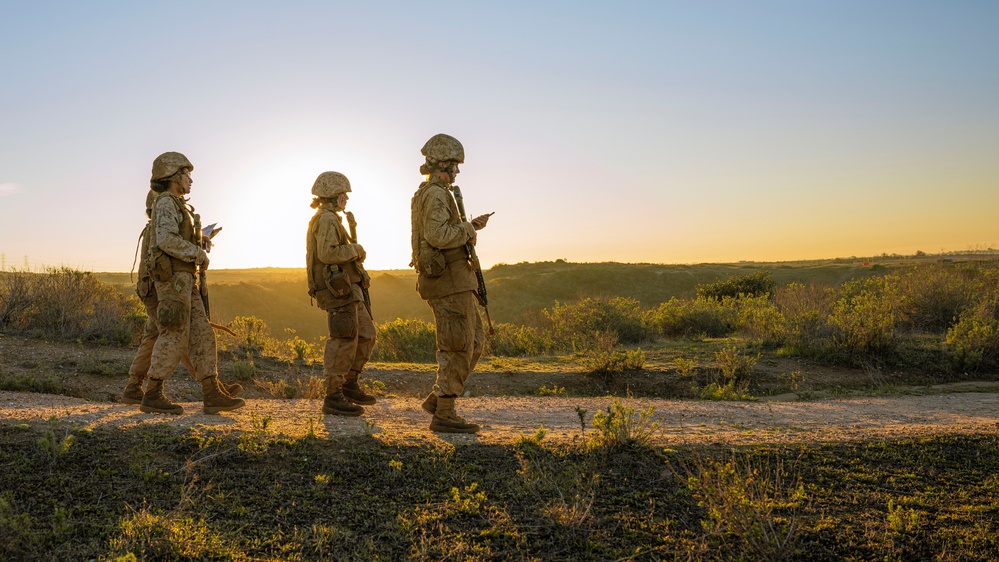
(207,243)
(361,254)
(479,222)
(201,262)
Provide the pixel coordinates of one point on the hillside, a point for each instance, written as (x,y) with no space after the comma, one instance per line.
(518,293)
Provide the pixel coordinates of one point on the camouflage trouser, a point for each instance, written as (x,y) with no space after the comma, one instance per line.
(183,330)
(144,355)
(460,341)
(352,337)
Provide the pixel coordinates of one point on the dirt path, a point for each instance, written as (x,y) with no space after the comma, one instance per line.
(504,419)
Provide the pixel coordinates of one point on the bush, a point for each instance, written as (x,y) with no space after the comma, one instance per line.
(412,341)
(619,425)
(691,318)
(758,284)
(974,340)
(574,326)
(252,335)
(932,297)
(865,316)
(806,310)
(67,304)
(760,319)
(511,340)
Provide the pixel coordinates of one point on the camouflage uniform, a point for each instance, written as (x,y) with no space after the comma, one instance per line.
(451,296)
(151,331)
(335,277)
(183,325)
(175,252)
(447,282)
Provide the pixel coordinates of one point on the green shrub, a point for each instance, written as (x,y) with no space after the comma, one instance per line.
(931,297)
(412,341)
(511,340)
(760,319)
(865,316)
(806,310)
(974,340)
(574,326)
(700,317)
(751,505)
(252,334)
(620,425)
(243,369)
(67,304)
(758,284)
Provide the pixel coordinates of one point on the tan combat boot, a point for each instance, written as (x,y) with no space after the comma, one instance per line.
(336,404)
(154,402)
(133,391)
(353,391)
(216,399)
(232,389)
(447,421)
(430,404)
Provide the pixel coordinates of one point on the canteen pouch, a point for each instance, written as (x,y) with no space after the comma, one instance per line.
(431,260)
(336,280)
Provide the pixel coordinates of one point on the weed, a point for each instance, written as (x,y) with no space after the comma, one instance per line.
(553,391)
(17,531)
(901,520)
(103,367)
(751,503)
(25,382)
(619,425)
(244,369)
(52,445)
(258,439)
(687,368)
(581,413)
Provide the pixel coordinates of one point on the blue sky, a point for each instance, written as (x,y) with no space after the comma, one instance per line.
(666,132)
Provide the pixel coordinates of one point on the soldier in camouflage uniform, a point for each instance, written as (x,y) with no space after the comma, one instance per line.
(175,254)
(447,280)
(133,392)
(336,277)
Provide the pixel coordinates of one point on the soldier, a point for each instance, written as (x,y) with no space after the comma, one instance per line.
(447,280)
(147,292)
(175,254)
(336,278)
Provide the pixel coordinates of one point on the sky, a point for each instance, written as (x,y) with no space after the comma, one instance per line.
(628,131)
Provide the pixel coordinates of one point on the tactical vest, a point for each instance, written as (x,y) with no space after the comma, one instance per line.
(323,276)
(161,265)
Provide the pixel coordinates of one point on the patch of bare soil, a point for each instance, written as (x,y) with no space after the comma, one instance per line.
(969,407)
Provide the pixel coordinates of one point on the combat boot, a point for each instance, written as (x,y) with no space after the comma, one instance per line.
(353,391)
(232,389)
(336,404)
(216,399)
(155,402)
(133,392)
(430,404)
(447,421)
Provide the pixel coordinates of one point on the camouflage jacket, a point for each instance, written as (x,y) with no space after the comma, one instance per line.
(175,229)
(328,244)
(435,219)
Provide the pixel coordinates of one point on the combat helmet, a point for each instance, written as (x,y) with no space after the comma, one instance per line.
(168,164)
(330,184)
(443,148)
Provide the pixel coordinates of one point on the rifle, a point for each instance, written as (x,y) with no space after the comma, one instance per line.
(480,292)
(353,238)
